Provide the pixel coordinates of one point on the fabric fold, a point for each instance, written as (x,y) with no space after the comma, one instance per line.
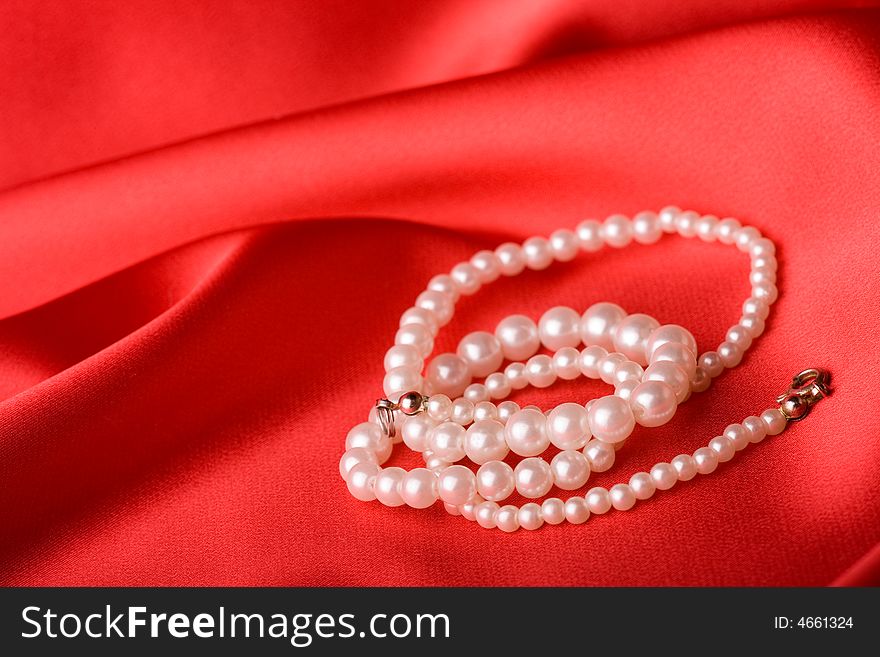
(188,333)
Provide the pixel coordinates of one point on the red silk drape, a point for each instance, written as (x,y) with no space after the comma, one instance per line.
(214,213)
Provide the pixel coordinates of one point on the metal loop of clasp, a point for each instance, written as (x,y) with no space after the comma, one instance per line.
(806,389)
(385,414)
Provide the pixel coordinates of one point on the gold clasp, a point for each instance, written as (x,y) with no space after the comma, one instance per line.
(409,403)
(806,389)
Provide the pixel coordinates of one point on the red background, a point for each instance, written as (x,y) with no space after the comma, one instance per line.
(213,214)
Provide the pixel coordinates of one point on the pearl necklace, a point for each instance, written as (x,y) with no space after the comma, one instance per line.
(653,368)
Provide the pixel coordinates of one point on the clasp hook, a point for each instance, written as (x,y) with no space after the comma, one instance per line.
(806,389)
(409,403)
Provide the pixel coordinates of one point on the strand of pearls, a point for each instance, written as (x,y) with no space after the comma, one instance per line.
(435,408)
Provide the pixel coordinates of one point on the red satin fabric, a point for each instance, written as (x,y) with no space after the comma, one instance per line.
(214,214)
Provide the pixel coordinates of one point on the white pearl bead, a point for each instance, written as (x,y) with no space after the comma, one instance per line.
(400,380)
(726,230)
(526,433)
(387,486)
(598,500)
(518,337)
(571,469)
(481,351)
(589,361)
(611,419)
(351,457)
(753,324)
(738,436)
(495,480)
(756,428)
(566,363)
(466,277)
(446,440)
(646,228)
(623,498)
(685,467)
(598,323)
(678,354)
(666,218)
(762,276)
(415,431)
(497,385)
(421,316)
(444,283)
(361,481)
(774,420)
(485,410)
(370,436)
(403,355)
(723,447)
(416,335)
(456,484)
(439,407)
(511,259)
(631,334)
(670,374)
(469,509)
(600,455)
(686,223)
(767,262)
(653,403)
(434,463)
(540,372)
(577,511)
(485,513)
(476,393)
(642,485)
(441,304)
(617,231)
(711,363)
(516,375)
(761,247)
(608,366)
(564,244)
(529,516)
(666,334)
(538,253)
(462,411)
(533,477)
(766,292)
(506,409)
(487,266)
(506,518)
(568,426)
(624,389)
(448,374)
(753,306)
(589,235)
(744,237)
(484,442)
(706,228)
(730,354)
(559,327)
(627,371)
(419,488)
(553,510)
(739,336)
(705,460)
(701,380)
(664,476)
